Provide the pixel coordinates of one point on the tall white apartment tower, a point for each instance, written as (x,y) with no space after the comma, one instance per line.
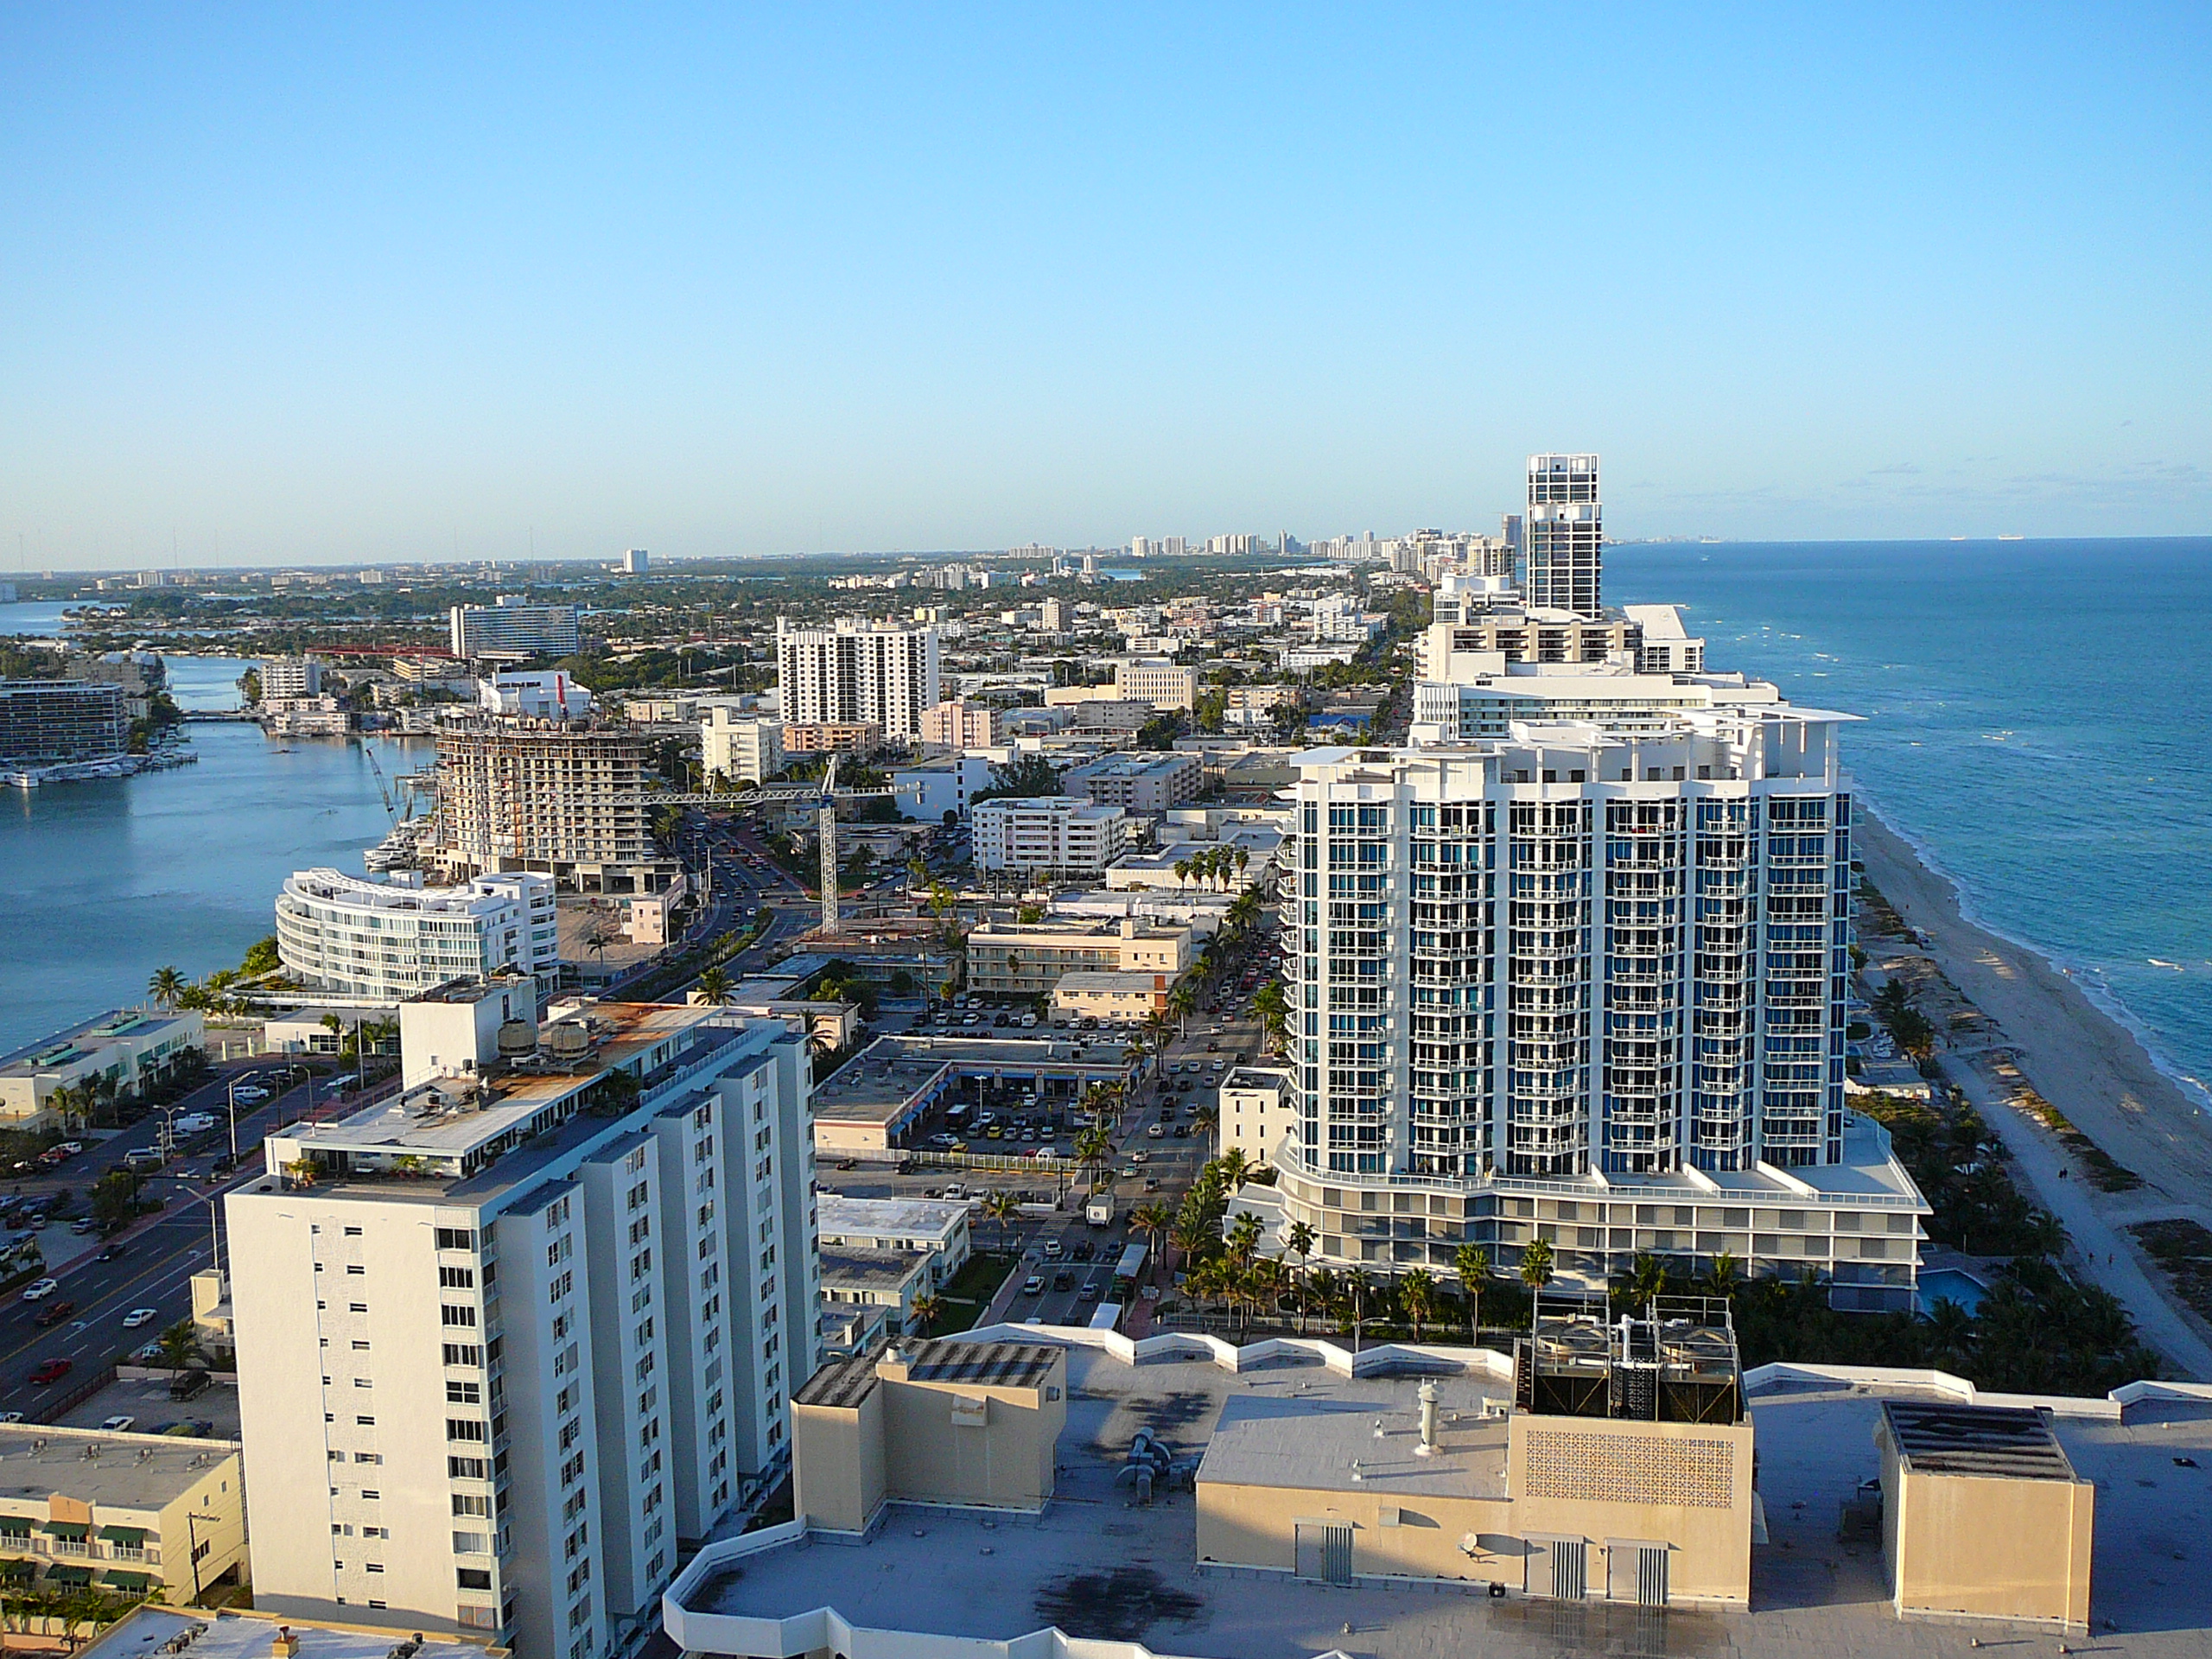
(858,670)
(509,1342)
(1564,534)
(1585,985)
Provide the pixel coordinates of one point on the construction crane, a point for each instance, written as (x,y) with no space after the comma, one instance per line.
(822,797)
(384,794)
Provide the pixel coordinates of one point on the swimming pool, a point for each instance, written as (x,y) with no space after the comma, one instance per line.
(1949,1284)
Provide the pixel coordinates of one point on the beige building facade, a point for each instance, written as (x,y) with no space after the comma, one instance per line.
(967,1423)
(128,1514)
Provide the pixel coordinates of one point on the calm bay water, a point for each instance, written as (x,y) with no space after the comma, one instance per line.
(2035,721)
(101,883)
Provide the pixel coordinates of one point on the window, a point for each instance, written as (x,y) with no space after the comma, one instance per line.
(461,1354)
(359,1346)
(353,1232)
(463,1394)
(357,1307)
(356,1269)
(456,1238)
(450,1315)
(474,1577)
(457,1278)
(366,1457)
(465,1468)
(464,1429)
(366,1422)
(467,1504)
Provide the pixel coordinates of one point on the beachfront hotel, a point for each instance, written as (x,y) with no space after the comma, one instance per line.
(1585,982)
(514,1340)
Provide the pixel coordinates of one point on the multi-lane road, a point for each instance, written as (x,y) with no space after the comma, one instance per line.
(158,1254)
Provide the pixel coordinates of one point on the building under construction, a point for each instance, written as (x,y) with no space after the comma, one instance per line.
(561,798)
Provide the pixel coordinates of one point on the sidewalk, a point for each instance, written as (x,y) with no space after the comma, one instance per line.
(2108,1256)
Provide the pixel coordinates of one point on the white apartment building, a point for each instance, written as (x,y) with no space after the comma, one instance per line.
(509,1343)
(1489,705)
(1256,1111)
(388,941)
(1162,684)
(858,672)
(962,725)
(511,628)
(1138,783)
(1048,833)
(930,789)
(290,676)
(740,746)
(1564,535)
(1586,985)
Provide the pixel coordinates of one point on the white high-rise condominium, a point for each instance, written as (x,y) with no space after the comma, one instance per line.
(526,1332)
(858,670)
(510,628)
(1585,984)
(1564,535)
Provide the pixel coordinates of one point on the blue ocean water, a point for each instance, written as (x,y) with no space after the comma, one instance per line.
(2036,717)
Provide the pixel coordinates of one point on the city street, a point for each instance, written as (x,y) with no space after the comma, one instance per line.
(160,1252)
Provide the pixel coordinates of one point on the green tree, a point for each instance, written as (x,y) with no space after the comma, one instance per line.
(1022,778)
(115,1199)
(1417,1294)
(1536,1264)
(249,685)
(1243,1238)
(263,957)
(179,1345)
(924,1312)
(714,986)
(165,987)
(1472,1264)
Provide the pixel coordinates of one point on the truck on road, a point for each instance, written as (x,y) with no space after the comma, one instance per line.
(1099,1211)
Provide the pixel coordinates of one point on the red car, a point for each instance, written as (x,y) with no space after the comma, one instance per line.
(54,1312)
(51,1370)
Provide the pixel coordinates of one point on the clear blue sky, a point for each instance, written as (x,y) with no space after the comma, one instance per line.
(371,282)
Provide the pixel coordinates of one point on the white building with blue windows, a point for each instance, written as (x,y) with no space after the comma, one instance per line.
(1585,982)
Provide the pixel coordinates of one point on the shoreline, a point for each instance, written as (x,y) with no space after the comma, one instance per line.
(2078,1056)
(2079,1052)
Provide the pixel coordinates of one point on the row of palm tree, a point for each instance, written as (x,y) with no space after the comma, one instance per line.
(1212,866)
(172,990)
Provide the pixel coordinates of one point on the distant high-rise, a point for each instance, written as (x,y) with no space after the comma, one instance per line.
(1564,535)
(634,561)
(877,672)
(512,628)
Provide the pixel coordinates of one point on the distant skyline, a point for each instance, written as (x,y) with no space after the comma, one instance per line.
(291,286)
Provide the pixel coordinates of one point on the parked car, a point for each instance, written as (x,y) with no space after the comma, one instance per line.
(121,1424)
(51,1372)
(41,1290)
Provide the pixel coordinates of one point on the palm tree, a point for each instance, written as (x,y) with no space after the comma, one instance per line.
(1950,1333)
(1153,1220)
(923,1312)
(1647,1279)
(179,1345)
(1242,858)
(1417,1291)
(1206,1119)
(1243,1238)
(165,987)
(1725,1276)
(1189,1235)
(1233,1167)
(1274,1009)
(714,986)
(1183,871)
(1300,1242)
(1472,1264)
(1001,1207)
(1536,1264)
(1180,1002)
(1093,1148)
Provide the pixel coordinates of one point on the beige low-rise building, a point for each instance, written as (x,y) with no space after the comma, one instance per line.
(860,1277)
(1119,999)
(1983,1516)
(932,1227)
(1029,958)
(130,1515)
(969,1424)
(122,1051)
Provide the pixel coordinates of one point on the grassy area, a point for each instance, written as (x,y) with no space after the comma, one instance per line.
(2183,1248)
(970,1291)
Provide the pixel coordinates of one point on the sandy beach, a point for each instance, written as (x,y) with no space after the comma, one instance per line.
(2090,1067)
